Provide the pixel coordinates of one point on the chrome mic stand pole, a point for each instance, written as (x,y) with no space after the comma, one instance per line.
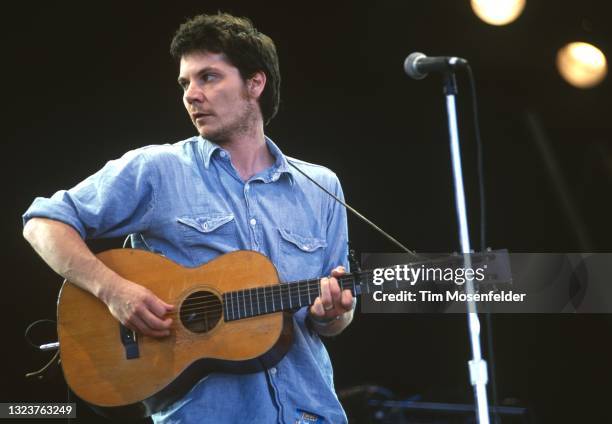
(477,366)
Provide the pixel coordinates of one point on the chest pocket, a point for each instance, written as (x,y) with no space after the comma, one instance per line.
(208,235)
(301,255)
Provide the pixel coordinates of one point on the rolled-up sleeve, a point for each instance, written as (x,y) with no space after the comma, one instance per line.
(115,201)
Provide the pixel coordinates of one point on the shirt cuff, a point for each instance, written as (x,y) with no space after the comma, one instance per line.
(56,210)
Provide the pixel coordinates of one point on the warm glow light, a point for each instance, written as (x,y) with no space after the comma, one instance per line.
(498,12)
(582,65)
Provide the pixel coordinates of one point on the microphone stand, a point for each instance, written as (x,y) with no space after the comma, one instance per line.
(477,366)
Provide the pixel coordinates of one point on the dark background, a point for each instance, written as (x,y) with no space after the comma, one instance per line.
(85,82)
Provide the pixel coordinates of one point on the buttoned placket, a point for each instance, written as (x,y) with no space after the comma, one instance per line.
(253,229)
(255,234)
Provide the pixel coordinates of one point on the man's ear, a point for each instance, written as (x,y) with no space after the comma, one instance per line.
(256,84)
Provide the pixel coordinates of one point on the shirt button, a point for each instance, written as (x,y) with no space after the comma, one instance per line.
(273,370)
(247,187)
(223,154)
(253,221)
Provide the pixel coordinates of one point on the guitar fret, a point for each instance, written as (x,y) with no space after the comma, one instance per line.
(265,301)
(245,314)
(224,308)
(309,295)
(246,305)
(227,300)
(299,295)
(234,311)
(289,291)
(251,299)
(273,308)
(257,296)
(280,295)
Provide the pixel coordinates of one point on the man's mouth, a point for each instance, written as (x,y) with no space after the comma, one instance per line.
(199,115)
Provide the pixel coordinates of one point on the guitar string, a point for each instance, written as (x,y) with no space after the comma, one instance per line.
(276,291)
(217,310)
(282,285)
(241,295)
(215,314)
(283,290)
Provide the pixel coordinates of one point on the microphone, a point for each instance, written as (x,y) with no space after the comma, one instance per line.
(418,66)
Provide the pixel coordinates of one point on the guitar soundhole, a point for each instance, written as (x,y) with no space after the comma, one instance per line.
(201,311)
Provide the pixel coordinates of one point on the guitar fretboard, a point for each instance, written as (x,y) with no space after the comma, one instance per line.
(263,300)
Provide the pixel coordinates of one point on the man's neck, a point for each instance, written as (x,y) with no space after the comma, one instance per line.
(249,153)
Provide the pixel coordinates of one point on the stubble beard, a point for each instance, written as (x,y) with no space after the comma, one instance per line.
(242,123)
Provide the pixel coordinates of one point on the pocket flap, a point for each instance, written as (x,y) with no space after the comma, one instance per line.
(205,224)
(307,244)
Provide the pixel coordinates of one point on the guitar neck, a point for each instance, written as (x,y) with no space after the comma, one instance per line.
(287,296)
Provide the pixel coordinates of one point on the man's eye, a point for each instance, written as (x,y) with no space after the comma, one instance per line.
(209,77)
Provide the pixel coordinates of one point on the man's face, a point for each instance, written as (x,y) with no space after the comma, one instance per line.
(216,96)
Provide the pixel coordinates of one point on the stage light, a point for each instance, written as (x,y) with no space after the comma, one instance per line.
(581,64)
(498,12)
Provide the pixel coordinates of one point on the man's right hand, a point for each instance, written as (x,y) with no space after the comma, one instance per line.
(138,308)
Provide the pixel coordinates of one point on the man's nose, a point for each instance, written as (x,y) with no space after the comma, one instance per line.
(193,93)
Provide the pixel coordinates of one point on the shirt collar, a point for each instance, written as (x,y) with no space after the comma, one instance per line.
(281,165)
(207,148)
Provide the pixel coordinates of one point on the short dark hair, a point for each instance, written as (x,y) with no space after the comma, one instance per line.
(246,48)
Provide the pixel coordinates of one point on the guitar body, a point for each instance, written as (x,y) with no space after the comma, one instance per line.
(96,361)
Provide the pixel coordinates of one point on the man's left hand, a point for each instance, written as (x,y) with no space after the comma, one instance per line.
(332,302)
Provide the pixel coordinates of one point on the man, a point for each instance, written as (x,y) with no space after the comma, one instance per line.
(229,188)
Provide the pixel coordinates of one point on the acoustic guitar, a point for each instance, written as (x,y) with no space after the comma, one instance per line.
(231,315)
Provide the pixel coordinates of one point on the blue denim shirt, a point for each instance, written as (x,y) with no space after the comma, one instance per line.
(187,202)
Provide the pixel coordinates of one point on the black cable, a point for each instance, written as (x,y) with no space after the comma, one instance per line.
(356,213)
(26,335)
(53,359)
(480,162)
(483,244)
